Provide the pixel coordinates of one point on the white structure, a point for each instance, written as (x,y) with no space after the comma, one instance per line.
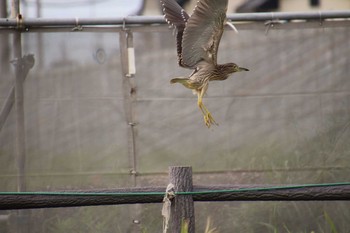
(151,7)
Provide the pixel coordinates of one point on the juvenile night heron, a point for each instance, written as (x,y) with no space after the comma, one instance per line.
(198,37)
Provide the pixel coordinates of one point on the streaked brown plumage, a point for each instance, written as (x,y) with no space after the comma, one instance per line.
(198,37)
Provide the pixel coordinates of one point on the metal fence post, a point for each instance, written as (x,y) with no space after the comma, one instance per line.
(182,207)
(127,56)
(129,89)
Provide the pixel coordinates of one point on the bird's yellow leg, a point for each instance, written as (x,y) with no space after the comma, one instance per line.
(208,118)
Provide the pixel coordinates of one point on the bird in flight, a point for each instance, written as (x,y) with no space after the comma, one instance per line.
(198,37)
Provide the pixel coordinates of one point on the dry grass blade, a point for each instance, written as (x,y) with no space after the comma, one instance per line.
(209,228)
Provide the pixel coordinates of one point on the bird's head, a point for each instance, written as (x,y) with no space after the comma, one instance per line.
(232,68)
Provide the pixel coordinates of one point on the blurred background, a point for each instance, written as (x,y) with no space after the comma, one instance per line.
(110,8)
(80,124)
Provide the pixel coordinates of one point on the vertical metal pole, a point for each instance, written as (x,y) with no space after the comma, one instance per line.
(129,89)
(19,101)
(19,109)
(182,207)
(20,131)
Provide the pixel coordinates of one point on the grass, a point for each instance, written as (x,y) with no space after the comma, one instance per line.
(208,227)
(330,223)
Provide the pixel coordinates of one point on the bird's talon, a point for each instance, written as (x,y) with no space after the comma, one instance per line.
(209,120)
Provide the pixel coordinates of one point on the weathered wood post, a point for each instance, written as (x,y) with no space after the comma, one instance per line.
(182,208)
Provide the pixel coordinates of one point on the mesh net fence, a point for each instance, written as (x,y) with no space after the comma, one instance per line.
(82,124)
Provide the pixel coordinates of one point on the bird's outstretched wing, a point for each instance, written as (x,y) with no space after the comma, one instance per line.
(177,18)
(203,31)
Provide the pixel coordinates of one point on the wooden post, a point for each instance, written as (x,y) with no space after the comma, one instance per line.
(182,208)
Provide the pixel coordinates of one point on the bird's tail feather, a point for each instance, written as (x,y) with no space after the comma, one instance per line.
(186,82)
(179,80)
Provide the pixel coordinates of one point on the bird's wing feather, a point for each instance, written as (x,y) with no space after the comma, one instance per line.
(203,32)
(177,18)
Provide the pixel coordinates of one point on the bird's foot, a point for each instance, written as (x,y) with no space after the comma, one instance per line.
(209,120)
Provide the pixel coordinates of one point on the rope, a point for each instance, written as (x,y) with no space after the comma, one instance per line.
(166,210)
(273,188)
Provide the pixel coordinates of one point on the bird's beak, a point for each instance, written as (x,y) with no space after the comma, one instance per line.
(242,69)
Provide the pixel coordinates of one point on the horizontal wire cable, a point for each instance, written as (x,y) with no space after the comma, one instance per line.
(159,19)
(274,188)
